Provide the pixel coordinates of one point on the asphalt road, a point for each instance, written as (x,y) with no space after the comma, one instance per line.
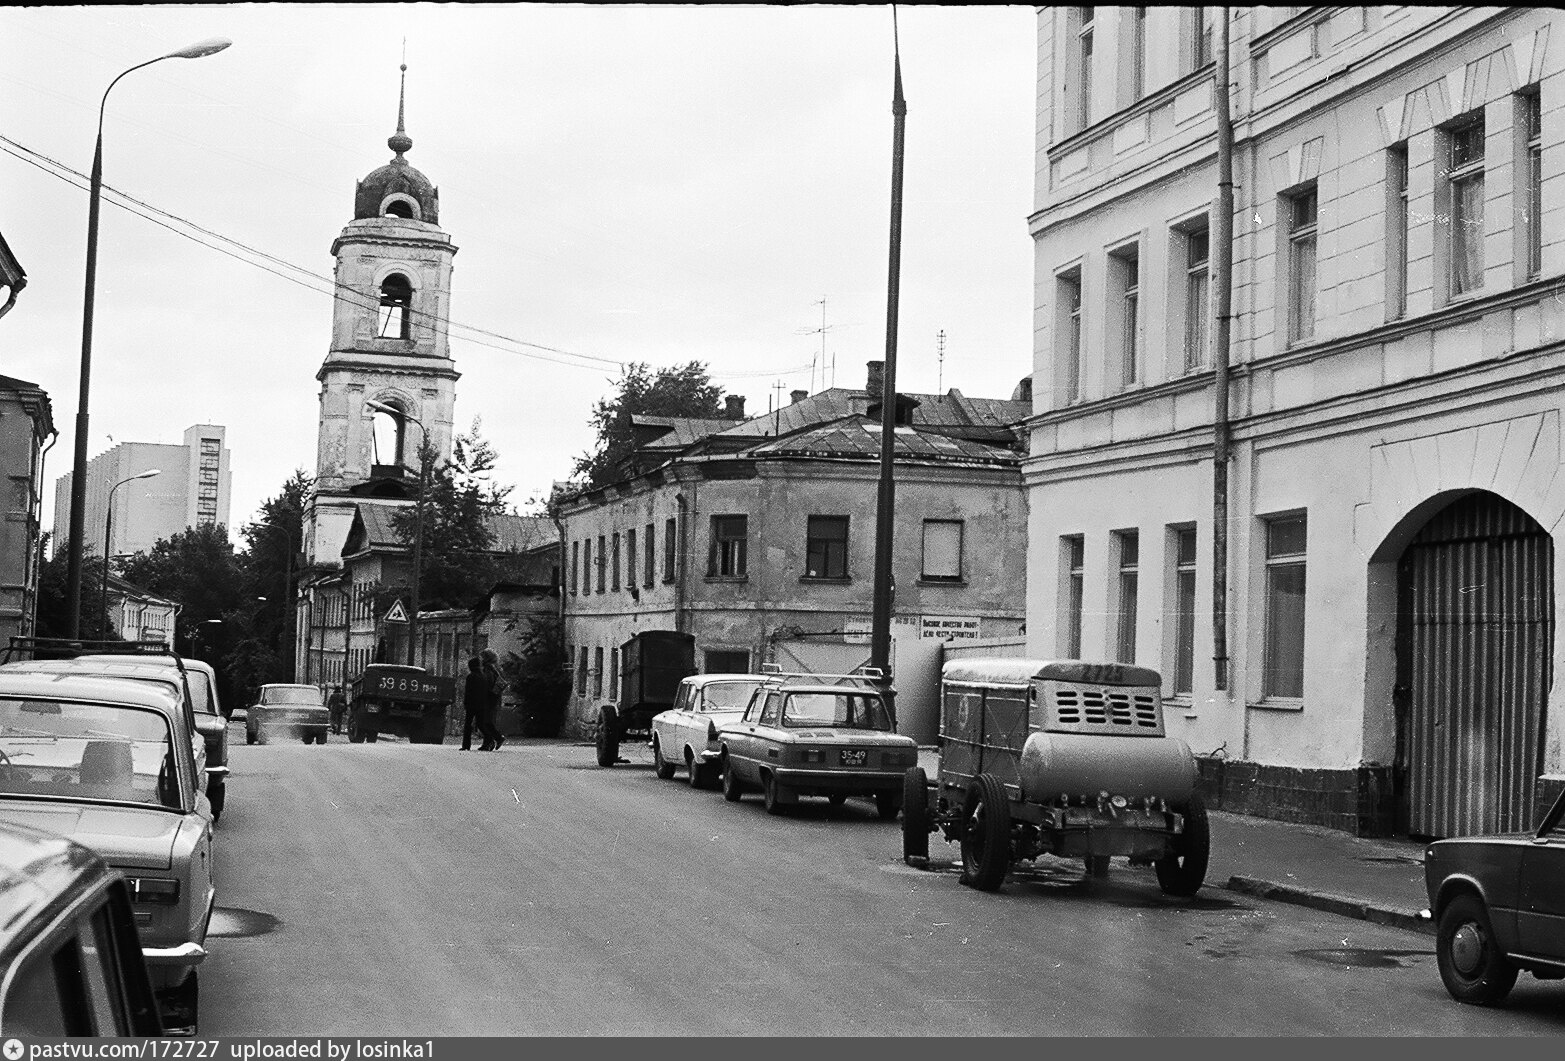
(395,889)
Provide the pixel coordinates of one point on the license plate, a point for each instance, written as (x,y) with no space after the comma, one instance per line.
(853,756)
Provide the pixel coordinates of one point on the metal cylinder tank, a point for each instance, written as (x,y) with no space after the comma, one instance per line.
(1082,764)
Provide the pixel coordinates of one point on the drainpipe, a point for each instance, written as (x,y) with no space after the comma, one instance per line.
(35,554)
(1222,264)
(681,566)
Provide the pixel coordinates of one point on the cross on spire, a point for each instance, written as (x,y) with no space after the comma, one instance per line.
(400,141)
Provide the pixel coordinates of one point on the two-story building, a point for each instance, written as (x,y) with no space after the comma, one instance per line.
(758,538)
(1395,492)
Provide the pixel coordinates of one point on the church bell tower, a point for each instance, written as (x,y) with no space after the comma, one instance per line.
(389,346)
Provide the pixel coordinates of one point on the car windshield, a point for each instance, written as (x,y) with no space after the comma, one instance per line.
(729,696)
(292,694)
(86,751)
(842,710)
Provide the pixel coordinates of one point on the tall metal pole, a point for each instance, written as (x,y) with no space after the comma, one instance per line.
(1222,285)
(418,539)
(108,523)
(880,624)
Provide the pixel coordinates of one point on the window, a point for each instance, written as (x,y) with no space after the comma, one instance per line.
(1125,275)
(630,560)
(396,304)
(1125,630)
(1201,26)
(614,579)
(1530,200)
(1068,344)
(1184,611)
(575,565)
(1074,550)
(649,559)
(942,550)
(1283,658)
(826,547)
(1302,216)
(1197,289)
(1396,231)
(597,672)
(1465,160)
(670,550)
(727,558)
(1084,67)
(586,571)
(726,661)
(1133,70)
(581,674)
(613,672)
(603,562)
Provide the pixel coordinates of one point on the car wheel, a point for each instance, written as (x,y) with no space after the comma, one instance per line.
(836,799)
(887,804)
(731,789)
(261,737)
(665,770)
(181,1006)
(773,795)
(371,735)
(1097,867)
(1182,870)
(1471,963)
(696,770)
(608,740)
(216,794)
(249,736)
(355,732)
(320,738)
(986,834)
(915,817)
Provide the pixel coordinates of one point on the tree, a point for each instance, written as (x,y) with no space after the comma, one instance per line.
(196,568)
(262,622)
(539,673)
(53,599)
(457,563)
(682,390)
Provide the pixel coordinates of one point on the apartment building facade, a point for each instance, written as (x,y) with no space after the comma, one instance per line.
(1394,399)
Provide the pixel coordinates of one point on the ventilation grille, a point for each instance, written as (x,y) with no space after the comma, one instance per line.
(1084,709)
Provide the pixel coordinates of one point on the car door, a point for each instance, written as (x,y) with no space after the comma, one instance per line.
(685,723)
(1540,916)
(740,738)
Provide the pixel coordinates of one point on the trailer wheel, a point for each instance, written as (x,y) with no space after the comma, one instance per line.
(915,817)
(1182,870)
(665,770)
(608,739)
(986,834)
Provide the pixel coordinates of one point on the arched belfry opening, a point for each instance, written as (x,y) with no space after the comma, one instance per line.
(389,438)
(401,208)
(396,308)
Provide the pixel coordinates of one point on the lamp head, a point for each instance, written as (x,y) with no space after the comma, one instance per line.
(200,48)
(149,473)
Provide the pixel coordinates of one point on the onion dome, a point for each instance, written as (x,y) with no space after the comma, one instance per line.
(397,188)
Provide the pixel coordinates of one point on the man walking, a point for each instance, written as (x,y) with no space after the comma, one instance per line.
(494,685)
(475,702)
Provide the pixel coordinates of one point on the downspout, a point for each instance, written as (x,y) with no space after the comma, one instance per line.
(1222,264)
(682,564)
(35,554)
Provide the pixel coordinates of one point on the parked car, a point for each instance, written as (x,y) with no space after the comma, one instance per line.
(655,662)
(107,762)
(294,710)
(70,958)
(1064,758)
(816,735)
(1498,903)
(686,734)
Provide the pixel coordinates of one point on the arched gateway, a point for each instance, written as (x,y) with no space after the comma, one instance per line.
(1475,638)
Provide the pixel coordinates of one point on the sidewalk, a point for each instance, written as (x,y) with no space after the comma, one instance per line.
(1372,880)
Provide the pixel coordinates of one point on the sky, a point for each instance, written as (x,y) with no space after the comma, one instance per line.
(652,184)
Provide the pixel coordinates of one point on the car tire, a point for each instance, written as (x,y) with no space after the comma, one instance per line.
(355,733)
(915,817)
(699,773)
(261,737)
(837,799)
(371,736)
(608,740)
(774,796)
(1097,867)
(249,736)
(731,788)
(182,1008)
(986,834)
(664,769)
(1182,870)
(1472,965)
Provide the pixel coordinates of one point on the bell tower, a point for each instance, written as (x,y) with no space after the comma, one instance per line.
(389,345)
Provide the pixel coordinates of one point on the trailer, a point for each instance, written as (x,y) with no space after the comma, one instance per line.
(652,664)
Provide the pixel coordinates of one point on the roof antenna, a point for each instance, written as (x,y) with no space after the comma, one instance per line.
(940,372)
(400,142)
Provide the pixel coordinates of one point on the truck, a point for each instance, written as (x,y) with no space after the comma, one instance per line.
(407,701)
(652,664)
(1057,757)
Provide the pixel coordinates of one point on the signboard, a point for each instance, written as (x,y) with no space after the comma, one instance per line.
(857,631)
(949,627)
(397,614)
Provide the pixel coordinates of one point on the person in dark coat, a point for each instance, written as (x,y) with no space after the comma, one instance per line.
(494,686)
(475,703)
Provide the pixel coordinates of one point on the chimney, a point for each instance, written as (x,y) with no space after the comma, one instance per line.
(734,406)
(877,378)
(797,396)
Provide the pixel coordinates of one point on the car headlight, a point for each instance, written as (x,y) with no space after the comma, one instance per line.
(158,890)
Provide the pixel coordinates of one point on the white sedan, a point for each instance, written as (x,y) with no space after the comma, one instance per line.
(686,734)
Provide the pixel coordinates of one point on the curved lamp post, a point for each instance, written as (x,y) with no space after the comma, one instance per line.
(418,520)
(108,522)
(73,576)
(195,636)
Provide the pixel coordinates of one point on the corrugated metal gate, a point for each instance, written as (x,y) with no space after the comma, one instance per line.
(1476,626)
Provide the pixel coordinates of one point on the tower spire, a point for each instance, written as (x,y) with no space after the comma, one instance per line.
(400,141)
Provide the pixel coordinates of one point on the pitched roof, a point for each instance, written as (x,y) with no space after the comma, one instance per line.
(373,529)
(521,533)
(857,437)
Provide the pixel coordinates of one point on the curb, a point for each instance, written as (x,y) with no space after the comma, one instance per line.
(1396,917)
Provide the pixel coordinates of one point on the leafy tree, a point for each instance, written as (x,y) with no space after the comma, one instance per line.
(457,564)
(197,568)
(262,621)
(53,619)
(682,390)
(539,673)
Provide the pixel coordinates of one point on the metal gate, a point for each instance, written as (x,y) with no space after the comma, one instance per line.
(1475,641)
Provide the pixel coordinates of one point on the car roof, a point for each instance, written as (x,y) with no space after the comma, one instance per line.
(41,874)
(290,685)
(699,680)
(111,665)
(92,687)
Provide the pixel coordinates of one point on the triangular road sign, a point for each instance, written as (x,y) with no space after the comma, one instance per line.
(397,614)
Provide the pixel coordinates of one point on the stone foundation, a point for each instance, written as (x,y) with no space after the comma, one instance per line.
(1359,801)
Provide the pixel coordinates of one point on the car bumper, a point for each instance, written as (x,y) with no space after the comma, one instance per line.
(845,781)
(185,954)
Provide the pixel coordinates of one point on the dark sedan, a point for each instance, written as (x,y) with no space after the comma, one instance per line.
(1499,906)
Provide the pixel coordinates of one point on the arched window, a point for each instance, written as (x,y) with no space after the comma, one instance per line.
(396,304)
(399,208)
(389,438)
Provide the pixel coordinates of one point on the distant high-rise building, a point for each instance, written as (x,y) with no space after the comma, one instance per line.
(191,489)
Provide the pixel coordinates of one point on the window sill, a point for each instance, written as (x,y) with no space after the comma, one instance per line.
(1278,703)
(829,580)
(727,578)
(935,581)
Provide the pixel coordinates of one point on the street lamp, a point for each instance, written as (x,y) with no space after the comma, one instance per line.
(108,522)
(73,576)
(418,519)
(195,636)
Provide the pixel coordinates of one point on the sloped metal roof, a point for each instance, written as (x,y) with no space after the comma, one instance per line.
(858,437)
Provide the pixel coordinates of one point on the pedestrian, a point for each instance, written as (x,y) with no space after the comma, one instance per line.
(475,703)
(494,686)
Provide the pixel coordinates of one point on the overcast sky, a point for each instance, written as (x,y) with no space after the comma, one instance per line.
(653,184)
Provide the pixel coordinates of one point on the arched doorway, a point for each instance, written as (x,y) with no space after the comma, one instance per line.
(1475,637)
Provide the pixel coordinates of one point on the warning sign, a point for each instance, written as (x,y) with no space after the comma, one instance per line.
(397,614)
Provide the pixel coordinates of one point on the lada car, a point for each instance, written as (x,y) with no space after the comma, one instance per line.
(686,734)
(70,957)
(1498,904)
(107,762)
(293,710)
(816,735)
(1065,758)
